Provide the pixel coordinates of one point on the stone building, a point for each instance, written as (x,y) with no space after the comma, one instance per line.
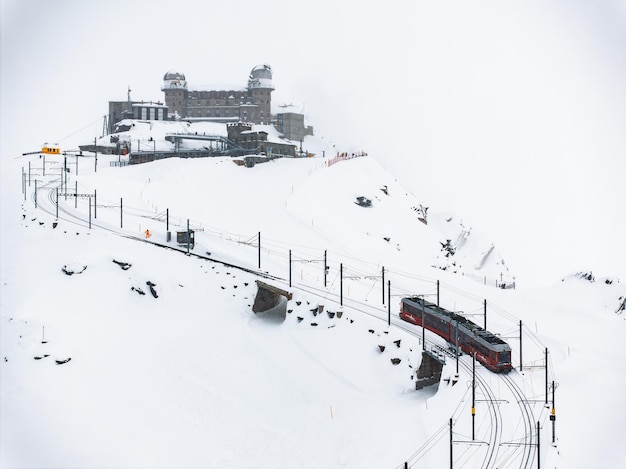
(251,104)
(256,142)
(144,110)
(291,125)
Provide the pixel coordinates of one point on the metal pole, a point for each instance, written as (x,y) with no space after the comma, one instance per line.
(167,219)
(95,205)
(290,267)
(35,193)
(553,416)
(485,313)
(521,368)
(76,164)
(437,293)
(57,202)
(65,174)
(121,213)
(95,149)
(389,302)
(341,284)
(473,393)
(325,268)
(76,195)
(89,212)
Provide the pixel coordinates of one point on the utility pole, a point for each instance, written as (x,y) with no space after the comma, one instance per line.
(553,415)
(473,393)
(485,313)
(259,250)
(95,199)
(290,268)
(437,293)
(325,268)
(35,193)
(167,219)
(121,213)
(65,173)
(189,237)
(341,284)
(95,149)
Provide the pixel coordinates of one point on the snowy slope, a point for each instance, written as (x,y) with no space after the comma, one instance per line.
(193,378)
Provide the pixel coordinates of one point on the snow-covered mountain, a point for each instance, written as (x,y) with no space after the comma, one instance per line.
(117,352)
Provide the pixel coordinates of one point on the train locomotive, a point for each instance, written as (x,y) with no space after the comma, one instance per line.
(493,352)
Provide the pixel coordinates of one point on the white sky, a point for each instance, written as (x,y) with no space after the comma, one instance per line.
(511,115)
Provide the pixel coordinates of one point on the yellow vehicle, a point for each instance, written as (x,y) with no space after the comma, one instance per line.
(49,149)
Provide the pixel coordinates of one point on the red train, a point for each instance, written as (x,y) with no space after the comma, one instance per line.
(493,352)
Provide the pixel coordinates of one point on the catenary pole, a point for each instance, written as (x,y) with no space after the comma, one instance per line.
(485,314)
(290,268)
(325,267)
(473,394)
(341,284)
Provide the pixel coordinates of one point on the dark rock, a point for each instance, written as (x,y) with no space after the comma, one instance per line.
(152,290)
(123,265)
(395,361)
(397,342)
(61,362)
(381,348)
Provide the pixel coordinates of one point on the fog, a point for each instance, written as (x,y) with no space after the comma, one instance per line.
(510,114)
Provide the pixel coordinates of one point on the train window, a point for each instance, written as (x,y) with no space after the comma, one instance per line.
(504,357)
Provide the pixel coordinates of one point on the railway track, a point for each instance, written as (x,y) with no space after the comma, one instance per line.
(494,457)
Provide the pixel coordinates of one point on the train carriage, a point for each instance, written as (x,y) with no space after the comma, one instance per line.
(493,352)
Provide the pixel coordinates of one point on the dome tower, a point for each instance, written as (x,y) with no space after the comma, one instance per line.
(260,90)
(175,89)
